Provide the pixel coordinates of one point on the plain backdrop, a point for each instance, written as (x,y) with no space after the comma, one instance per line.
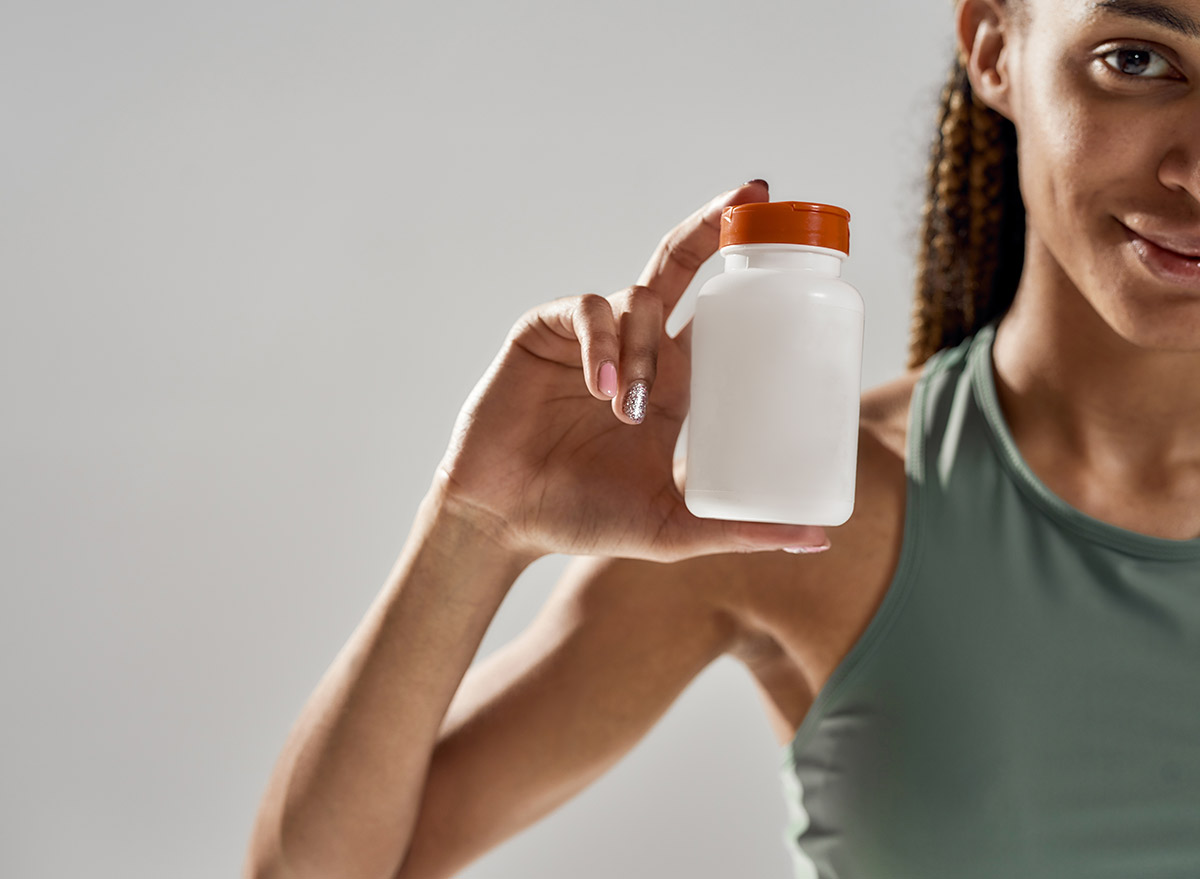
(253,257)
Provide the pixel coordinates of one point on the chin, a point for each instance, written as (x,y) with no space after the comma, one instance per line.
(1143,306)
(1154,321)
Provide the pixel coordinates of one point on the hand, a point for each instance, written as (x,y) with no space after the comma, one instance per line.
(537,457)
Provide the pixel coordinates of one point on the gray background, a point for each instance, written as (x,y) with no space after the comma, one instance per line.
(253,256)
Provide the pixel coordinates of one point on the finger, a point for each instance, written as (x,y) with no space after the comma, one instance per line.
(588,324)
(679,474)
(686,247)
(639,325)
(595,326)
(684,340)
(691,535)
(764,536)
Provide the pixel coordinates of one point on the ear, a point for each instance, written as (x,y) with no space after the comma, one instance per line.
(984,28)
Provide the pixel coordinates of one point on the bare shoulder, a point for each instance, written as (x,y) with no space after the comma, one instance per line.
(790,619)
(798,616)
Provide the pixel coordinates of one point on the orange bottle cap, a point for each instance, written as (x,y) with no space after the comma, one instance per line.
(787,222)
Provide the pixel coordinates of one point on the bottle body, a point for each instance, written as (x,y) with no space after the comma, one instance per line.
(776,379)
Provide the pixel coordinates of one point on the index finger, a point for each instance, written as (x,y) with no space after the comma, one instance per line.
(686,247)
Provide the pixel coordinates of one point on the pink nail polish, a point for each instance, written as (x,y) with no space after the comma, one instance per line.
(608,378)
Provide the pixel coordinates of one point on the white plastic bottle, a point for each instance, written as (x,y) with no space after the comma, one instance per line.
(776,370)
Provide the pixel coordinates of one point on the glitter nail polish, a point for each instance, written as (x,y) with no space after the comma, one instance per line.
(635,401)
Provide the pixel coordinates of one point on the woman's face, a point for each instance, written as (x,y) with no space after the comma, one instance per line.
(1106,100)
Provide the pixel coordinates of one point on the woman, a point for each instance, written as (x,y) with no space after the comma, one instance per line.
(994,669)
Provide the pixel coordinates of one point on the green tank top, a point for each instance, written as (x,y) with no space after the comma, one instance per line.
(1025,702)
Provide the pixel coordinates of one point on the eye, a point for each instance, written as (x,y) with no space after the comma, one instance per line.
(1138,62)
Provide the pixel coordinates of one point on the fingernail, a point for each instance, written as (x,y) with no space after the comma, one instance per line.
(757,180)
(608,378)
(807,549)
(635,401)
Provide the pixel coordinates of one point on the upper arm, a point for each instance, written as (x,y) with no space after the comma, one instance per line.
(616,642)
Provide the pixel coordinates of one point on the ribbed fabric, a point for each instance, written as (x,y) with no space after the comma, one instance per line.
(1025,702)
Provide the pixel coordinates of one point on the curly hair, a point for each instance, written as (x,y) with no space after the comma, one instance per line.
(973,224)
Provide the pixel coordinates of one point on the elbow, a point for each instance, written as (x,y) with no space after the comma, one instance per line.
(265,860)
(273,860)
(261,866)
(272,865)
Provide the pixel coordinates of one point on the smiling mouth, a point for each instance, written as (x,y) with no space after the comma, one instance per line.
(1165,264)
(1180,248)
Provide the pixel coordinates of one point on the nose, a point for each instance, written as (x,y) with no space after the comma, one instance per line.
(1180,166)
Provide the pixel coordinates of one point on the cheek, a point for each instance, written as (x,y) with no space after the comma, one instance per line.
(1080,159)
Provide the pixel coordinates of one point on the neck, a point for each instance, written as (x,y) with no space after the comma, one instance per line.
(1069,382)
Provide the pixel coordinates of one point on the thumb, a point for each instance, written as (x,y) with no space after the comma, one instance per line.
(697,536)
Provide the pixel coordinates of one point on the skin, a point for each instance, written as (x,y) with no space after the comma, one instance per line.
(407,761)
(401,762)
(1096,361)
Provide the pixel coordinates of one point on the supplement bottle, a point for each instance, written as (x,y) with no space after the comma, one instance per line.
(776,370)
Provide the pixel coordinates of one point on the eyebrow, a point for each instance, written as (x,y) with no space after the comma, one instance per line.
(1155,13)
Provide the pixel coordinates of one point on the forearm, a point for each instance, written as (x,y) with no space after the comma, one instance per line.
(345,794)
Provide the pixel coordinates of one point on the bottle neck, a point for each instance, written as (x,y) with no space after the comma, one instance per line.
(783,257)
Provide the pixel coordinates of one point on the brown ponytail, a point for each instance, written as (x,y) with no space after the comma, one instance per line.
(973,227)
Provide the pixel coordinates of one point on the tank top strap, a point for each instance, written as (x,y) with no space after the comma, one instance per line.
(1021,702)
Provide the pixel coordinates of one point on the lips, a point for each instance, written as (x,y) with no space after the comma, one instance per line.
(1186,246)
(1170,257)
